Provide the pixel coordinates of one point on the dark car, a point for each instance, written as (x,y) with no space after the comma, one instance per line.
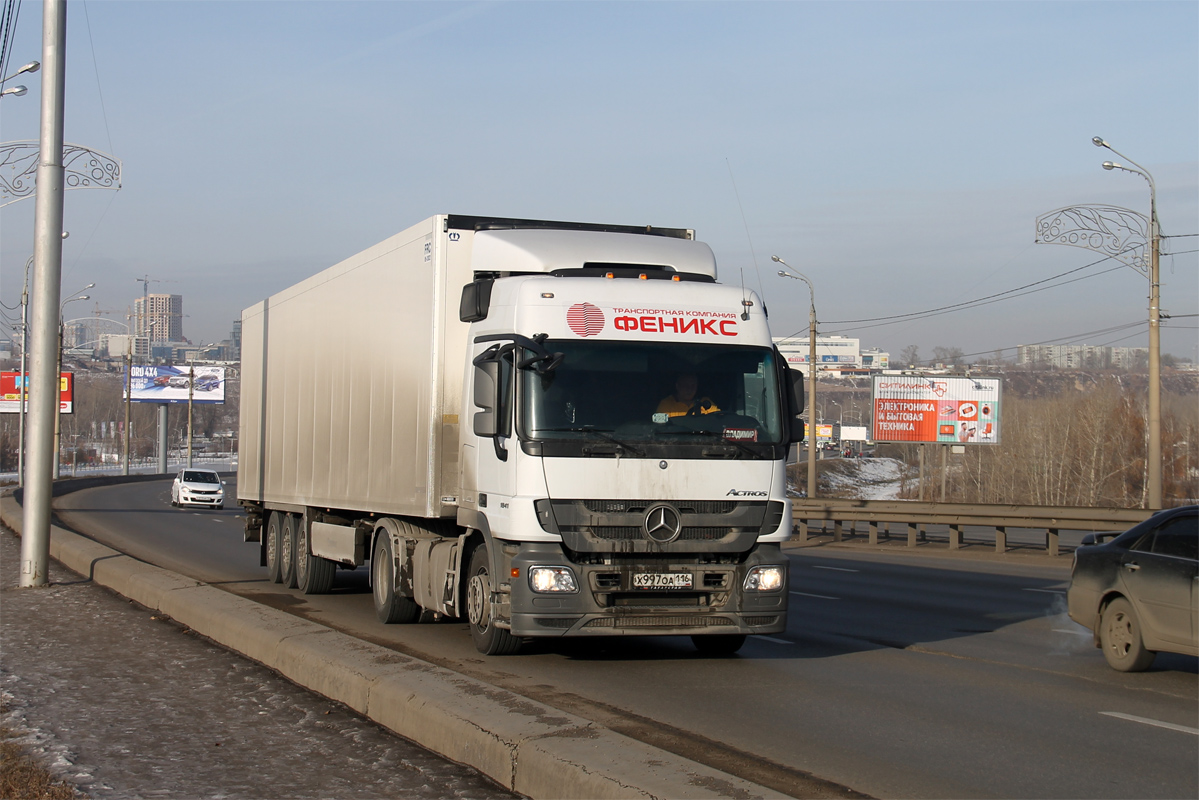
(1139,591)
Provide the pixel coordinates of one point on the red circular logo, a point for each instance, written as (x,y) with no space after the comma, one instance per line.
(585,319)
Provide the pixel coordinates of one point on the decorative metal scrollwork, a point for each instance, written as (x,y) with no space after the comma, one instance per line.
(1120,233)
(83,168)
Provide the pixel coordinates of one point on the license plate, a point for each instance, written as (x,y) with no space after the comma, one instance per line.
(662,580)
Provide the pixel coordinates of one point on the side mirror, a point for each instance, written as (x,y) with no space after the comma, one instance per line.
(476,300)
(795,401)
(486,380)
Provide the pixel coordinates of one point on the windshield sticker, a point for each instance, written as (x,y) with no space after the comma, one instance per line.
(585,319)
(740,434)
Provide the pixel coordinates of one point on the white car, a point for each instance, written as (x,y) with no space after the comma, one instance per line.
(198,487)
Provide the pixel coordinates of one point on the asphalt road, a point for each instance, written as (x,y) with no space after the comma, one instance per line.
(900,674)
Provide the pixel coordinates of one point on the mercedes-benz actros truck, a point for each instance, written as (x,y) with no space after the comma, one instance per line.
(544,428)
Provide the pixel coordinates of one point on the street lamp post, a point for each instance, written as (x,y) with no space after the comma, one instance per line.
(811,371)
(1154,448)
(58,375)
(24,392)
(32,66)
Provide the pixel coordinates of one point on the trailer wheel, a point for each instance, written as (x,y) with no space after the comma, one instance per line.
(274,567)
(287,550)
(389,606)
(720,644)
(314,575)
(489,640)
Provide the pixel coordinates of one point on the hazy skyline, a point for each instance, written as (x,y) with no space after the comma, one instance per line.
(896,153)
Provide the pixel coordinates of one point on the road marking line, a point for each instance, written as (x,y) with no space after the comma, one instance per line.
(772,639)
(1047,591)
(817,596)
(836,569)
(1154,722)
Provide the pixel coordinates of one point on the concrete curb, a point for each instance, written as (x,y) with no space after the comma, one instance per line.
(524,745)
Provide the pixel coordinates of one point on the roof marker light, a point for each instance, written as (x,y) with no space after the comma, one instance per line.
(547,295)
(642,277)
(675,278)
(609,275)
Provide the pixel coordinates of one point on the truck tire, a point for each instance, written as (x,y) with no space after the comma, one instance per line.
(389,606)
(1120,637)
(489,640)
(274,565)
(719,644)
(287,549)
(314,575)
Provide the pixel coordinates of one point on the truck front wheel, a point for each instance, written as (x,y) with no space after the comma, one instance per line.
(489,640)
(389,606)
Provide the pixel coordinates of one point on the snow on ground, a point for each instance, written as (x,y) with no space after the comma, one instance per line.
(867,478)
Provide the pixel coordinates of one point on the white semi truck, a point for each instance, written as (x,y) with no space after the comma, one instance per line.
(549,429)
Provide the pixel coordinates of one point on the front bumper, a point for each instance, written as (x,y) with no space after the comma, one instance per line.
(607,604)
(193,499)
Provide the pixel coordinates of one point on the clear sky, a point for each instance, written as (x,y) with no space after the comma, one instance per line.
(898,153)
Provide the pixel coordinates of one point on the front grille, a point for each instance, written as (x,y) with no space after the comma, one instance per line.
(711,526)
(677,621)
(616,533)
(640,506)
(556,622)
(628,533)
(758,621)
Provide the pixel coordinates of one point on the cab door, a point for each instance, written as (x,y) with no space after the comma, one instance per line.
(493,388)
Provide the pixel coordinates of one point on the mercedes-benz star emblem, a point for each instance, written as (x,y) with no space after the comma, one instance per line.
(663,523)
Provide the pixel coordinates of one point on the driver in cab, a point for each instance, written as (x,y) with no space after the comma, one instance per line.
(683,401)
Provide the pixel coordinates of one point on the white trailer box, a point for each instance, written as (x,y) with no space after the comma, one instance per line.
(357,373)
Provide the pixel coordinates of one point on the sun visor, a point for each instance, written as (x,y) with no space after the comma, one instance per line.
(543,251)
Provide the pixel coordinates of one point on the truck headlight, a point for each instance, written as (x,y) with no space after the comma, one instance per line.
(764,579)
(552,579)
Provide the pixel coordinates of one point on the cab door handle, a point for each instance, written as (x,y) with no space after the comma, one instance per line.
(1132,566)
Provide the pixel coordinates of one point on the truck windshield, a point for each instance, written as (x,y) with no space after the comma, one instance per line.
(637,393)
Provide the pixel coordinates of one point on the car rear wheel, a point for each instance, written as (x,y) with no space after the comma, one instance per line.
(1120,638)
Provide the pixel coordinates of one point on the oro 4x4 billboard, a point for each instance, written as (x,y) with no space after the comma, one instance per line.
(174,384)
(935,408)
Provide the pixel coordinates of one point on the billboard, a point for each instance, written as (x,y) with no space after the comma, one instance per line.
(935,408)
(172,385)
(822,432)
(10,393)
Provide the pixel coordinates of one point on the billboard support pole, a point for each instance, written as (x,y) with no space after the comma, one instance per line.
(128,400)
(162,438)
(191,389)
(944,468)
(922,471)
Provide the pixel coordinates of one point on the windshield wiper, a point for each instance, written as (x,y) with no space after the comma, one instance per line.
(605,433)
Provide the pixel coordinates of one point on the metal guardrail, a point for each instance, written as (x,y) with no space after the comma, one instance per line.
(916,516)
